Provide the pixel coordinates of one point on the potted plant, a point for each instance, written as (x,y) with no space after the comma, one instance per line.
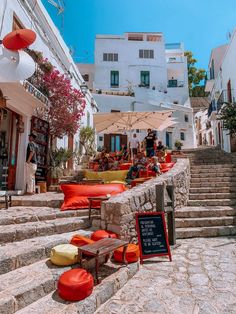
(178,144)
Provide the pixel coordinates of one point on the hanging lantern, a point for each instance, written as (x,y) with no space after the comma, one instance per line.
(19,39)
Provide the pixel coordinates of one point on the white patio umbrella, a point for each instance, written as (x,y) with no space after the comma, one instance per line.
(15,65)
(116,122)
(119,122)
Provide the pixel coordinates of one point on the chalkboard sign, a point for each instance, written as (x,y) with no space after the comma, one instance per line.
(152,235)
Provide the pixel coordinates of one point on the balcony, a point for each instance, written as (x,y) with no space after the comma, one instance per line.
(175,83)
(226,96)
(173,46)
(175,60)
(35,92)
(212,108)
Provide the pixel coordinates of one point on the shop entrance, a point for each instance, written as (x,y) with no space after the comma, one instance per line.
(9,137)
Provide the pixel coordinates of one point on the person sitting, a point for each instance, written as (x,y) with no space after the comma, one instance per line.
(123,154)
(103,164)
(154,165)
(161,152)
(139,163)
(160,146)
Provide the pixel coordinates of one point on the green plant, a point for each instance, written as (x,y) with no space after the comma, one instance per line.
(228,116)
(87,140)
(57,161)
(178,144)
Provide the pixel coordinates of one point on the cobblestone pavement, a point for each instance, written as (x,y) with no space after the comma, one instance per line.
(200,280)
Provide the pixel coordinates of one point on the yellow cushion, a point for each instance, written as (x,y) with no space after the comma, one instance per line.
(107,176)
(64,255)
(118,182)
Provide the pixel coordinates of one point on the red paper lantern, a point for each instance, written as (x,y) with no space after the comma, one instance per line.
(19,39)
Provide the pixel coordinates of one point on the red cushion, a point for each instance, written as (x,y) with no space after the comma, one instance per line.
(132,254)
(79,240)
(76,196)
(168,157)
(75,285)
(102,234)
(125,166)
(166,165)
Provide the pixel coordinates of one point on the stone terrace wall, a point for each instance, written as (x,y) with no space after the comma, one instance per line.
(118,213)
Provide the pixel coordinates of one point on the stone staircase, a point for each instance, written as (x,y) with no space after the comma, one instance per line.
(27,235)
(212,198)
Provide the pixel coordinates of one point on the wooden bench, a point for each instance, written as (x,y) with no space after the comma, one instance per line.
(100,248)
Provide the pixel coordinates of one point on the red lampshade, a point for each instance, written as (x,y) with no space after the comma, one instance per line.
(19,39)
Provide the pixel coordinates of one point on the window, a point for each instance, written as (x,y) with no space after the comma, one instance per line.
(146,54)
(186,118)
(86,77)
(145,78)
(153,38)
(112,57)
(182,136)
(212,70)
(100,138)
(172,83)
(114,78)
(137,131)
(135,37)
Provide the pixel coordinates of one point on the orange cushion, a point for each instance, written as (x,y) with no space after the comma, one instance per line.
(125,166)
(76,196)
(79,240)
(166,165)
(102,234)
(132,254)
(75,285)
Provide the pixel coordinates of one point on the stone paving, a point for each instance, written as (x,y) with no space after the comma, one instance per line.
(200,280)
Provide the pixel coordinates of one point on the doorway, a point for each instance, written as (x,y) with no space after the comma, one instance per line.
(169,140)
(113,142)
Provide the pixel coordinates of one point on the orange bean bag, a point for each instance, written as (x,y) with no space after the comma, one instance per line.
(79,240)
(76,196)
(103,234)
(132,254)
(75,285)
(166,166)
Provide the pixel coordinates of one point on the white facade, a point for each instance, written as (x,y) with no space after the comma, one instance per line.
(139,72)
(32,14)
(222,89)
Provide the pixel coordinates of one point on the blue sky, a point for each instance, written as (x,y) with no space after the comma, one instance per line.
(199,24)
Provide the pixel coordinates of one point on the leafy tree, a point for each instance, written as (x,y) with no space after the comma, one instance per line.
(87,140)
(228,116)
(195,76)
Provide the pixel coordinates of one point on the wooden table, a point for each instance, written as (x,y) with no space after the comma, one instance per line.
(96,198)
(100,248)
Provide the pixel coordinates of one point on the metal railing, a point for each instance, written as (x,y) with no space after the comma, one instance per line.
(34,91)
(225,96)
(212,107)
(175,83)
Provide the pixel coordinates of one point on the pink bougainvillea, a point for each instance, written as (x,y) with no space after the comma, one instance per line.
(67,103)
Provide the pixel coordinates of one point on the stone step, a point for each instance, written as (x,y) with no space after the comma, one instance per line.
(26,285)
(212,196)
(54,188)
(205,222)
(214,202)
(19,232)
(18,215)
(228,174)
(213,170)
(213,179)
(209,162)
(216,189)
(198,212)
(18,254)
(216,231)
(212,185)
(217,166)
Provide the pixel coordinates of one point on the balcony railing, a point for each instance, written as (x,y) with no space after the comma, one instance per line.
(175,83)
(173,46)
(30,88)
(225,96)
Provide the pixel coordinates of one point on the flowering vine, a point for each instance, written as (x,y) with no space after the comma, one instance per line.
(67,103)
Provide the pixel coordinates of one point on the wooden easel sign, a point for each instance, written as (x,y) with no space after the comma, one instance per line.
(152,235)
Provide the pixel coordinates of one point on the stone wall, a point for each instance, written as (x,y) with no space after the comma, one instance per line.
(118,213)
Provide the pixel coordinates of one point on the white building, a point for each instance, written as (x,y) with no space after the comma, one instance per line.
(138,71)
(21,97)
(222,86)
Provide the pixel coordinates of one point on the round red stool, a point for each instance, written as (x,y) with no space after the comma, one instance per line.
(132,254)
(75,285)
(103,234)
